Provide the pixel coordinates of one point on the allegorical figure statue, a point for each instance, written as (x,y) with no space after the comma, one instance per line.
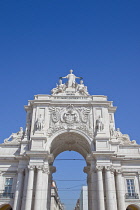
(15,137)
(40,123)
(99,124)
(71,79)
(82,88)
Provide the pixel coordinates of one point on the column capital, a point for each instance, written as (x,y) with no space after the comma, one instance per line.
(99,168)
(46,170)
(119,171)
(109,168)
(39,167)
(31,167)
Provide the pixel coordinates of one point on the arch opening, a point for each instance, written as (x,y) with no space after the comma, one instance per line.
(133,207)
(69,177)
(6,207)
(70,141)
(64,145)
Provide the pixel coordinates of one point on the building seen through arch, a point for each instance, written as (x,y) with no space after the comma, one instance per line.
(70,119)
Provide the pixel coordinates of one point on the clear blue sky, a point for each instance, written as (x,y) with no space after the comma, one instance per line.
(40,40)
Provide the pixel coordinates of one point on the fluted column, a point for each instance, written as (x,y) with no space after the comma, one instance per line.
(110,186)
(29,195)
(100,188)
(38,190)
(18,192)
(120,190)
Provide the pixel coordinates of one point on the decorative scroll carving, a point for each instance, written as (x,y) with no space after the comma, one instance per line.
(15,137)
(39,167)
(70,118)
(46,170)
(31,167)
(119,171)
(109,168)
(99,168)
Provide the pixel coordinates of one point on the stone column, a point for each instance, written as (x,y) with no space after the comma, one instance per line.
(29,194)
(24,189)
(18,192)
(100,188)
(52,169)
(120,190)
(114,188)
(45,187)
(110,185)
(87,170)
(38,191)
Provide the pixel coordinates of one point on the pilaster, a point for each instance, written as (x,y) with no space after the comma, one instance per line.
(29,195)
(120,192)
(18,192)
(100,188)
(38,191)
(110,186)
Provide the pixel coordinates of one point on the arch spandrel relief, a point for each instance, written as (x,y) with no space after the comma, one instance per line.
(70,117)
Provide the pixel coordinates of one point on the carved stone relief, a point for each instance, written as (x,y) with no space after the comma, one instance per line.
(122,138)
(15,138)
(70,117)
(99,124)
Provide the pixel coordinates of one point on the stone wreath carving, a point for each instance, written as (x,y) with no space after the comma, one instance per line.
(70,117)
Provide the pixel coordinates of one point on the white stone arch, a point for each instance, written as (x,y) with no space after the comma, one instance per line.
(133,207)
(73,140)
(5,206)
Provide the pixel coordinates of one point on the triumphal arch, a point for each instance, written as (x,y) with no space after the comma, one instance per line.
(70,119)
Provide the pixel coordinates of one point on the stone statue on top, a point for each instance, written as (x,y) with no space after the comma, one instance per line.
(71,86)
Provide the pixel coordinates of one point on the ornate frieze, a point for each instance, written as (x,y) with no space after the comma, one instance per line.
(70,117)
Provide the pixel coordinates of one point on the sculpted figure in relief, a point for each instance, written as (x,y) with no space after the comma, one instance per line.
(39,123)
(82,88)
(71,79)
(123,138)
(59,88)
(112,130)
(99,124)
(15,137)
